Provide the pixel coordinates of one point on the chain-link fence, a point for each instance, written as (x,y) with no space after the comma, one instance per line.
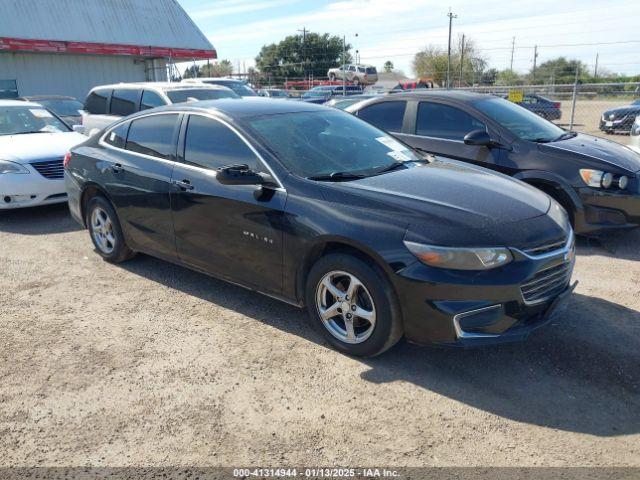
(601,109)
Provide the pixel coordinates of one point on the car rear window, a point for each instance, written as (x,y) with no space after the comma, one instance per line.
(153,135)
(124,101)
(371,70)
(151,99)
(96,102)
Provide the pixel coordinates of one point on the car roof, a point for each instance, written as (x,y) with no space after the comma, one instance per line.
(217,79)
(459,95)
(19,103)
(164,86)
(238,108)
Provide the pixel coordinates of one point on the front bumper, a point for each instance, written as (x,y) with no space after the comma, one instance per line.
(608,210)
(29,190)
(468,309)
(618,125)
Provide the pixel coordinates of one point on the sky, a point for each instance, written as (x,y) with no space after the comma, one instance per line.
(396,30)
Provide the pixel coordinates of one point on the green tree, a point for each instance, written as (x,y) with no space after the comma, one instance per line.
(295,56)
(220,69)
(509,77)
(559,70)
(432,62)
(192,71)
(388,66)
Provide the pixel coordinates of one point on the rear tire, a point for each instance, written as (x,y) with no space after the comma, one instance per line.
(356,81)
(105,231)
(353,305)
(332,77)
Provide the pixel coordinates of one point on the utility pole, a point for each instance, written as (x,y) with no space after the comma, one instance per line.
(595,70)
(535,61)
(513,47)
(344,65)
(304,52)
(461,62)
(451,17)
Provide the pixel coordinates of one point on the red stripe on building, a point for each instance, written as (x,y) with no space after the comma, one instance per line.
(57,46)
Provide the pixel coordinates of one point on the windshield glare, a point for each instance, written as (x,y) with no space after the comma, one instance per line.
(63,108)
(19,120)
(523,123)
(313,144)
(180,96)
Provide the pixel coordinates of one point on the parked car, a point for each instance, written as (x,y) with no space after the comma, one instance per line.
(635,135)
(410,86)
(107,103)
(344,102)
(325,93)
(315,207)
(67,108)
(357,74)
(33,143)
(541,106)
(238,86)
(594,179)
(619,120)
(273,93)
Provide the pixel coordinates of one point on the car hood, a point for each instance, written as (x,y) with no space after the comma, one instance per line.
(36,146)
(597,151)
(448,199)
(622,110)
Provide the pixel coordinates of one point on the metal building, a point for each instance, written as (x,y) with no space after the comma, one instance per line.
(65,47)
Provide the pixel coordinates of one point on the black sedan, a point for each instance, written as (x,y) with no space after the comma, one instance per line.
(541,106)
(595,180)
(310,205)
(620,119)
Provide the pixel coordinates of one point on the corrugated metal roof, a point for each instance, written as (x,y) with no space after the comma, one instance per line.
(157,23)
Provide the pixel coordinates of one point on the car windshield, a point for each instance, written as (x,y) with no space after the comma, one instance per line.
(238,87)
(322,143)
(29,119)
(183,95)
(523,123)
(63,108)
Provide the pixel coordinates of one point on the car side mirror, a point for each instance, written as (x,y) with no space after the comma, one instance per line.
(242,175)
(478,138)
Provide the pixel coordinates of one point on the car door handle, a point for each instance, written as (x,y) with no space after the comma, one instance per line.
(183,185)
(117,168)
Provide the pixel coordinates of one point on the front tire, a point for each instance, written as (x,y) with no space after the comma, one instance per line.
(332,77)
(105,231)
(353,305)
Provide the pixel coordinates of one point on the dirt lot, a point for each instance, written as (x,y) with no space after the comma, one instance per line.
(151,364)
(587,117)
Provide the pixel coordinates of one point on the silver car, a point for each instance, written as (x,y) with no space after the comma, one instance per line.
(357,74)
(634,144)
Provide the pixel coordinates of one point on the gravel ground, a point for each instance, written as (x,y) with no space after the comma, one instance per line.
(150,364)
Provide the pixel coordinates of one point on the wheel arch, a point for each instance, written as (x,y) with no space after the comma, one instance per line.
(328,245)
(89,191)
(554,186)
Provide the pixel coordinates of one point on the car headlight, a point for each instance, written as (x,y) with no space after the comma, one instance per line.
(600,179)
(11,167)
(460,258)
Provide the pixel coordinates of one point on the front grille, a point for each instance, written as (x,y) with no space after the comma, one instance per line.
(546,283)
(51,169)
(547,247)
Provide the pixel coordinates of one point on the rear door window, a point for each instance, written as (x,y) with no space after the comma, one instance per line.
(124,101)
(387,116)
(118,136)
(153,135)
(96,102)
(443,121)
(211,144)
(151,99)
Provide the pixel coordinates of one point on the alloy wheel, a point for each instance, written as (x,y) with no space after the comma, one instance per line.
(345,307)
(102,231)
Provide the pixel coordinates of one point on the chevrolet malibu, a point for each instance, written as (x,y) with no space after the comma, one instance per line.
(317,208)
(33,142)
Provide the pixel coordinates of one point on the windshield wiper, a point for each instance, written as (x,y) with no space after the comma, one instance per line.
(27,133)
(542,140)
(565,136)
(336,177)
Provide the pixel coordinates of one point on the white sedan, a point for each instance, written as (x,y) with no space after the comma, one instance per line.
(635,136)
(33,143)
